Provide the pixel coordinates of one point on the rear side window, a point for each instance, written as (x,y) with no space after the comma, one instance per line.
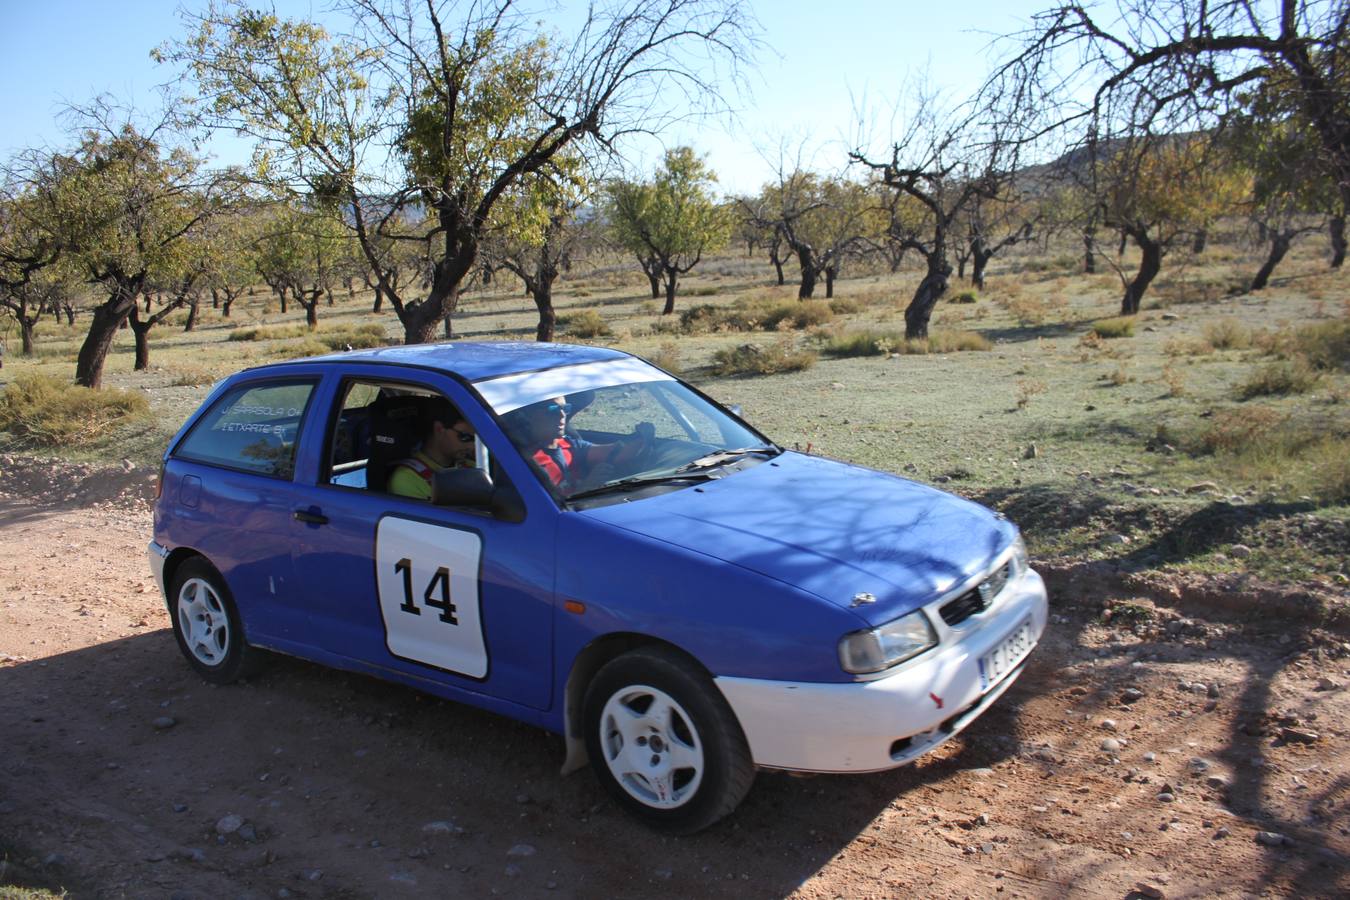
(252,428)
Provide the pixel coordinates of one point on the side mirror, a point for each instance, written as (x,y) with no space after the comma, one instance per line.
(472,488)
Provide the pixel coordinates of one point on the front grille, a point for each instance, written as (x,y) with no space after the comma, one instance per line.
(977,599)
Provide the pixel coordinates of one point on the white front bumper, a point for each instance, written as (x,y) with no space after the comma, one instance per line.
(855,727)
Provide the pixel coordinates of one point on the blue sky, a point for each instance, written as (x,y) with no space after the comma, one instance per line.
(821,57)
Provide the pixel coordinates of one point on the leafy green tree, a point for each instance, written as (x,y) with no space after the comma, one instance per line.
(471,108)
(121,205)
(672,219)
(1159,193)
(303,252)
(821,220)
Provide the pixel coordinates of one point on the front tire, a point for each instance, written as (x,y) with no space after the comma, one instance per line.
(664,742)
(206,624)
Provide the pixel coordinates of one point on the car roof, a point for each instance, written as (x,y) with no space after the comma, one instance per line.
(474,360)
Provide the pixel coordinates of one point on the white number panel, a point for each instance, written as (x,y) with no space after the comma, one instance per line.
(427,576)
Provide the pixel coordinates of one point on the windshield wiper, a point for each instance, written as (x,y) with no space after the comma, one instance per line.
(719,457)
(637,481)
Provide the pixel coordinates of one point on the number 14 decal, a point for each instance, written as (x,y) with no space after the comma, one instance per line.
(440,581)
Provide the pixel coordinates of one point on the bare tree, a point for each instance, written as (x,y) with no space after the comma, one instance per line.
(1142,68)
(471,107)
(943,165)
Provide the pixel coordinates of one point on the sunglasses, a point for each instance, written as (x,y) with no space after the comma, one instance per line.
(555,408)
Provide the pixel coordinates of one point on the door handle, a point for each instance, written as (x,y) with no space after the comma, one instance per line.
(311,517)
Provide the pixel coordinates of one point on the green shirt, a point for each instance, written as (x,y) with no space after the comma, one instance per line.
(406,482)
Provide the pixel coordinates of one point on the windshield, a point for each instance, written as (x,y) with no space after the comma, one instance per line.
(622,436)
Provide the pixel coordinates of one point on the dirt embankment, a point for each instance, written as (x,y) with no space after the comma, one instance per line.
(1150,749)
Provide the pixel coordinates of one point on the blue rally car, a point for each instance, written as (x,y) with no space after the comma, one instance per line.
(574,538)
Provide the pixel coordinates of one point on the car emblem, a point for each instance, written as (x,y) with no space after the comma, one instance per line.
(863,597)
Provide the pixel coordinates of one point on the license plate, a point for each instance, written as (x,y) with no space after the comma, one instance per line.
(1005,656)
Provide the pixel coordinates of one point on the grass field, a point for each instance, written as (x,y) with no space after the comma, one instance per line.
(1210,433)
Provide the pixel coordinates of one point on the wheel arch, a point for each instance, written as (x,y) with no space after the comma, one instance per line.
(172,562)
(590,660)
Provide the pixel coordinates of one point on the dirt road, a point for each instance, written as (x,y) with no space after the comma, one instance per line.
(1146,753)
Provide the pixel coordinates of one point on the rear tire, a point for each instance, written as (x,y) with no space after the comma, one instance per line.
(206,624)
(664,742)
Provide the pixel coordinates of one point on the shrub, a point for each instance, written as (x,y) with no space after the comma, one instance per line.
(863,343)
(1187,346)
(41,411)
(1259,443)
(1278,379)
(1174,379)
(357,337)
(1026,389)
(965,297)
(945,341)
(1232,430)
(1227,334)
(756,314)
(1326,345)
(705,291)
(845,306)
(269,332)
(871,343)
(585,324)
(753,359)
(667,356)
(1116,327)
(310,346)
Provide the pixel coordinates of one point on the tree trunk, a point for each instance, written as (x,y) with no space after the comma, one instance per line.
(26,335)
(981,262)
(1279,246)
(830,273)
(778,267)
(1201,241)
(548,319)
(810,272)
(142,332)
(107,318)
(655,281)
(379,299)
(929,292)
(672,277)
(449,326)
(961,267)
(1089,257)
(69,310)
(191,322)
(1337,230)
(1149,265)
(329,293)
(215,299)
(1124,240)
(311,312)
(226,304)
(281,292)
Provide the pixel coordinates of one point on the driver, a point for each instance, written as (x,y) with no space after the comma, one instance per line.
(565,458)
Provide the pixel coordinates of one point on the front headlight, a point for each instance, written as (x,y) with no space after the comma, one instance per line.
(1019,556)
(880,648)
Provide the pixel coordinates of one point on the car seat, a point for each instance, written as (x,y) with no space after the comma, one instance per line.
(395,429)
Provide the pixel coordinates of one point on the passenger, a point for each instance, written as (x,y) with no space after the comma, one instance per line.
(566,459)
(447,443)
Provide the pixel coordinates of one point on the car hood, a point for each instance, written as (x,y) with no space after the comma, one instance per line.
(832,529)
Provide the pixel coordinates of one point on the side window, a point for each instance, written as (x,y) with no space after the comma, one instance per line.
(386,438)
(252,428)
